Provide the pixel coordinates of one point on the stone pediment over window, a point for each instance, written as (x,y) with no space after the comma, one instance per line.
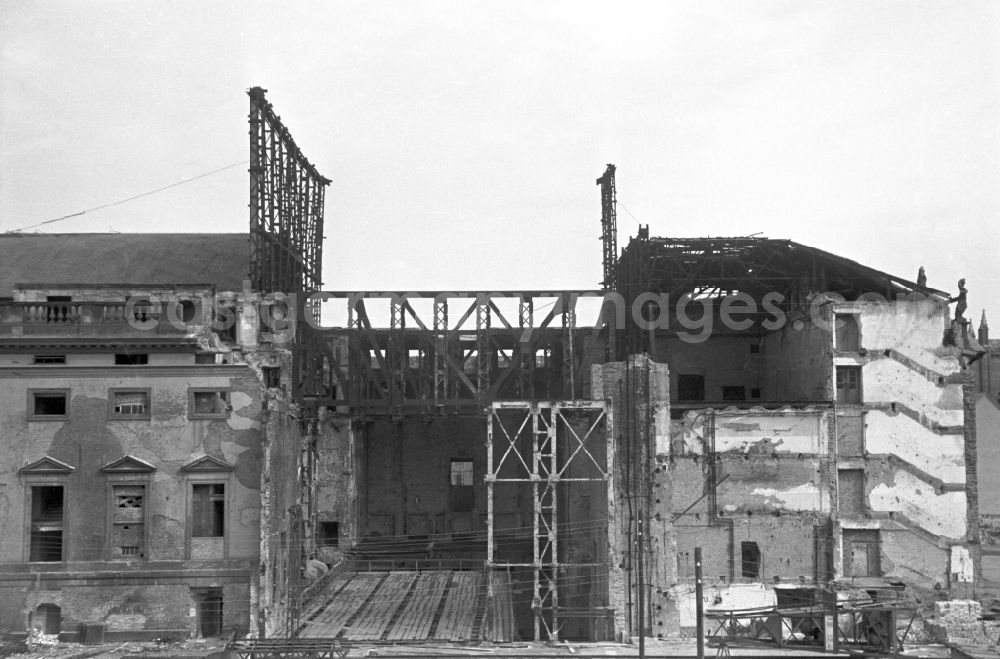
(128,464)
(207,463)
(47,465)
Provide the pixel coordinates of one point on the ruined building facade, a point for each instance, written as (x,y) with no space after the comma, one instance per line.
(139,418)
(808,421)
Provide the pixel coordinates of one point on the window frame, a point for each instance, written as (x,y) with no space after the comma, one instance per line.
(118,416)
(32,416)
(192,414)
(49,480)
(847,369)
(208,478)
(127,480)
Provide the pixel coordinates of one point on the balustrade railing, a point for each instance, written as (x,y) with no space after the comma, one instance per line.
(42,316)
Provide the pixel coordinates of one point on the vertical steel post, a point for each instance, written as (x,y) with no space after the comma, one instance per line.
(699,604)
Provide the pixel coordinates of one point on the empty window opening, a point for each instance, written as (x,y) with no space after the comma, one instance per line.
(734,393)
(690,387)
(225,323)
(755,393)
(49,403)
(133,404)
(462,492)
(272,376)
(187,311)
(754,348)
(848,335)
(208,606)
(204,358)
(328,534)
(209,403)
(849,384)
(50,359)
(47,619)
(208,510)
(46,543)
(128,517)
(750,560)
(127,359)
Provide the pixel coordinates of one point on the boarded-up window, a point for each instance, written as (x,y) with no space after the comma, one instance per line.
(862,555)
(851,492)
(128,517)
(850,434)
(130,404)
(47,510)
(849,385)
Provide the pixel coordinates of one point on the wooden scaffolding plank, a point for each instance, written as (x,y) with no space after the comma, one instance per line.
(418,615)
(343,606)
(459,614)
(370,624)
(323,598)
(498,625)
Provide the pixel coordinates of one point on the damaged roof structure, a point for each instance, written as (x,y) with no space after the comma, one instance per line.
(473,465)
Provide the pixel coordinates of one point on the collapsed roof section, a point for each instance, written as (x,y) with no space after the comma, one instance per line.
(720,266)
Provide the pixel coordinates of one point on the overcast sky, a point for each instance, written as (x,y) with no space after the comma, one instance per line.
(463,138)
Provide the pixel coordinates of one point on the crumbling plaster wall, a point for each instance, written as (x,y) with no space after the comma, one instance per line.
(796,361)
(915,438)
(87,440)
(336,477)
(652,448)
(915,443)
(722,361)
(762,477)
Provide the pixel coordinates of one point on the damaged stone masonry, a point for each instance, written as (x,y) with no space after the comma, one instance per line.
(193,454)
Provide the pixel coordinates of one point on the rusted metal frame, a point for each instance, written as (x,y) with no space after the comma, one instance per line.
(609,225)
(511,449)
(367,336)
(440,310)
(525,320)
(460,372)
(483,353)
(397,353)
(286,206)
(499,314)
(407,308)
(581,441)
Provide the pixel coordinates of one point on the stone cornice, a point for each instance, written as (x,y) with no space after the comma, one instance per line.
(180,370)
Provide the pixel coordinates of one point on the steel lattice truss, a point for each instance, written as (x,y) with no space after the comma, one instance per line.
(609,225)
(445,351)
(536,443)
(868,626)
(286,207)
(713,268)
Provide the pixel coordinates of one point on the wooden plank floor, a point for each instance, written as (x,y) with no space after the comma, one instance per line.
(371,623)
(418,615)
(324,598)
(344,605)
(498,620)
(459,614)
(401,605)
